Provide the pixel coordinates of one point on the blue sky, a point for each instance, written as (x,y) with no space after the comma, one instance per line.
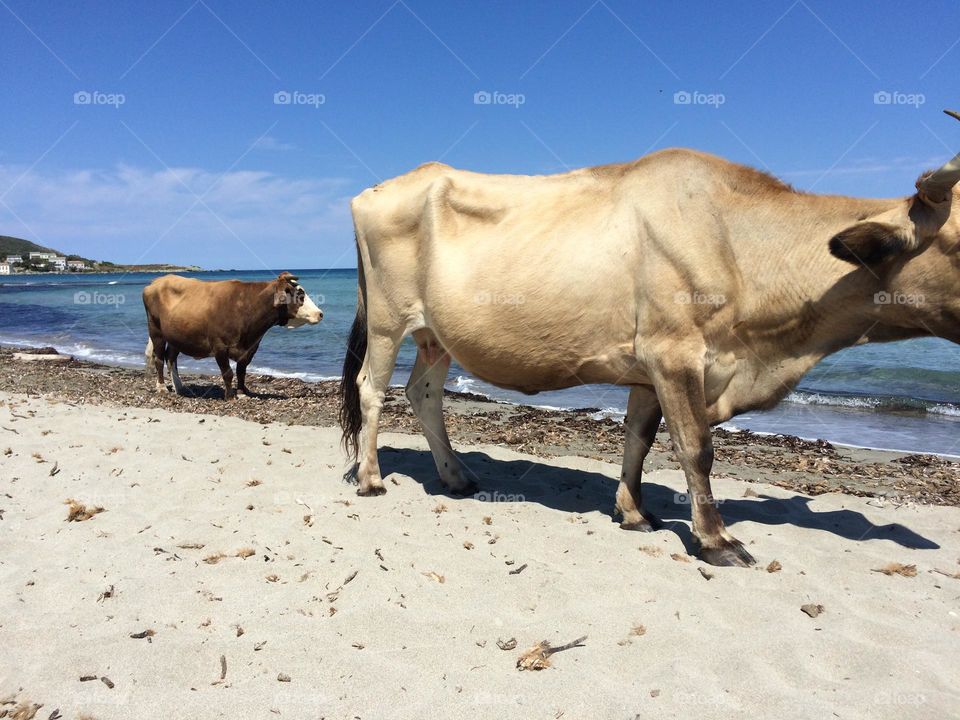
(199,164)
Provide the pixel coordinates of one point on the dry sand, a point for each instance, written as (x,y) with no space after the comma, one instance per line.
(433,584)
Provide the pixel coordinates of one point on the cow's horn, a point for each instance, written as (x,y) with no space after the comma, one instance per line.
(938,185)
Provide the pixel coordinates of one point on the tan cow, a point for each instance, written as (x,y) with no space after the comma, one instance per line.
(225,319)
(707,287)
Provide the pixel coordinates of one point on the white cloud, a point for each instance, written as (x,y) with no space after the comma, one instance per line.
(871,166)
(244,219)
(268,142)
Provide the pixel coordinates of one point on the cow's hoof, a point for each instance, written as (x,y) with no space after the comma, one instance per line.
(638,522)
(730,554)
(464,488)
(371,490)
(639,526)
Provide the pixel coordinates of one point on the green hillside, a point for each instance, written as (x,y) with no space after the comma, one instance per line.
(18,246)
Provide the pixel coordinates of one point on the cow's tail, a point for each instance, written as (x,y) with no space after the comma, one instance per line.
(148,353)
(350,415)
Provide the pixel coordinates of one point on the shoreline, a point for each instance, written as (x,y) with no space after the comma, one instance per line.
(811,467)
(890,406)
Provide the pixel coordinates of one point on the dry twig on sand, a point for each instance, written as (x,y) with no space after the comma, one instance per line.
(78,512)
(896,568)
(538,656)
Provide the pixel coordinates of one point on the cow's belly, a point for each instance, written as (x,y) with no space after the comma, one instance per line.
(533,372)
(520,349)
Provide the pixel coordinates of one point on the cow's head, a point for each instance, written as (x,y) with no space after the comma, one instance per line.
(913,251)
(294,306)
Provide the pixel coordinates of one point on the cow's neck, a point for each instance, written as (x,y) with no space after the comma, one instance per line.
(265,313)
(802,304)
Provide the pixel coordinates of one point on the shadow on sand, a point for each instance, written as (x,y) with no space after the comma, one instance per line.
(211,391)
(579,491)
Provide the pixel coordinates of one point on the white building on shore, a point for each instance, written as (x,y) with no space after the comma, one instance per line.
(4,268)
(11,259)
(76,265)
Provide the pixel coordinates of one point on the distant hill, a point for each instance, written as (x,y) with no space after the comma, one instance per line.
(18,246)
(10,245)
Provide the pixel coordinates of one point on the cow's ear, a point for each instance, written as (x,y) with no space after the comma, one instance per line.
(871,243)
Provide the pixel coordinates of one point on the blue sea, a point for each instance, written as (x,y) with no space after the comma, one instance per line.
(901,396)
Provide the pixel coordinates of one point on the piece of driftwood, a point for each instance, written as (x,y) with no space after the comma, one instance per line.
(538,656)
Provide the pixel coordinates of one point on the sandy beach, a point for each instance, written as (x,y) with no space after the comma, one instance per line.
(233,573)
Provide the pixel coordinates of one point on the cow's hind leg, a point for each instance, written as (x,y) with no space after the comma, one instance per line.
(425,392)
(223,360)
(640,425)
(372,382)
(681,393)
(155,351)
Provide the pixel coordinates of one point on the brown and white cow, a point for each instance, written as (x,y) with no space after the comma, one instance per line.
(707,287)
(225,319)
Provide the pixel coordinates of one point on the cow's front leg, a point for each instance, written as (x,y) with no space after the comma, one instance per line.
(640,426)
(682,399)
(223,360)
(242,377)
(425,392)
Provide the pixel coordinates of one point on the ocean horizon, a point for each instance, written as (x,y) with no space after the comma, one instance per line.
(901,396)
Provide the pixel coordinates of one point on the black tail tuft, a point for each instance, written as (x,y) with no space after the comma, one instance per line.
(350,417)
